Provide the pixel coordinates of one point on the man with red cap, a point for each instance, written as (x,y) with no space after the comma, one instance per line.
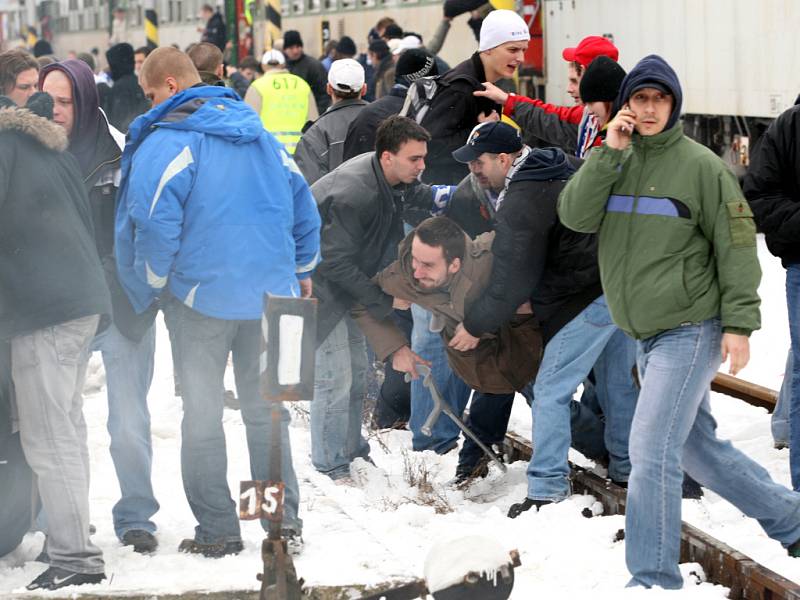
(572,128)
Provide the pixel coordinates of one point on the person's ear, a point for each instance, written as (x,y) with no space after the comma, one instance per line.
(454,267)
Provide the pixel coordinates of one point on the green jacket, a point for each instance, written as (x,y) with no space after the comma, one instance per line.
(677,241)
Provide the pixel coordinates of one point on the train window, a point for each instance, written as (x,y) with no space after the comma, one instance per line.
(88,3)
(298,7)
(330,5)
(348,4)
(388,2)
(367,3)
(314,6)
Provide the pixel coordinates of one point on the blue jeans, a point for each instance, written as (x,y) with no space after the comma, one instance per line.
(203,347)
(568,358)
(673,428)
(779,422)
(129,371)
(429,345)
(338,404)
(793,304)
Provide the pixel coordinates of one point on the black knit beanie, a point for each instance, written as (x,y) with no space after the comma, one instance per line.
(292,38)
(601,80)
(414,64)
(346,46)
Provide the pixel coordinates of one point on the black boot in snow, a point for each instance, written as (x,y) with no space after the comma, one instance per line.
(521,507)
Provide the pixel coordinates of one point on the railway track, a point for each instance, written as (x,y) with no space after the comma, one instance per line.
(722,564)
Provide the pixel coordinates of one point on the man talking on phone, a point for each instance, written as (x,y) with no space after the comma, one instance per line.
(678,264)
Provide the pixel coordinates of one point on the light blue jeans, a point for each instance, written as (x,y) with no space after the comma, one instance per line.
(129,371)
(429,345)
(203,347)
(338,405)
(590,339)
(673,428)
(780,416)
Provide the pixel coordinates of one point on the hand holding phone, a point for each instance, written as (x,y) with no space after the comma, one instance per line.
(621,128)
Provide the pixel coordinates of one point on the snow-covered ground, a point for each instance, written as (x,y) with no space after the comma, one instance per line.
(383,528)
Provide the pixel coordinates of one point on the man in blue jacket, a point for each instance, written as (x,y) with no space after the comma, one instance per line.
(213,214)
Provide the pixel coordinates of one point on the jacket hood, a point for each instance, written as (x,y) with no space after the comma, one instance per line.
(547,164)
(653,69)
(212,110)
(83,139)
(21,120)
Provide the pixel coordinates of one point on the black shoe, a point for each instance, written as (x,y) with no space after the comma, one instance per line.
(294,541)
(519,508)
(55,578)
(690,489)
(466,474)
(794,550)
(142,541)
(210,550)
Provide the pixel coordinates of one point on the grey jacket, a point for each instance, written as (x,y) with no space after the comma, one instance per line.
(321,149)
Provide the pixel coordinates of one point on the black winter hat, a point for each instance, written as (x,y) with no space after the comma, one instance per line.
(414,64)
(42,48)
(380,48)
(120,59)
(41,104)
(393,31)
(601,80)
(346,46)
(292,38)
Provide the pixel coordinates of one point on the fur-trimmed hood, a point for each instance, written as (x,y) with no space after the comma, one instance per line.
(47,133)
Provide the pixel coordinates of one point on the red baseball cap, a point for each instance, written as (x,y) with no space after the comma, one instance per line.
(590,48)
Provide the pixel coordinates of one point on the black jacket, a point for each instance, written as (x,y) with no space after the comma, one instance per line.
(314,74)
(101,183)
(453,113)
(215,32)
(362,225)
(470,208)
(536,257)
(50,272)
(123,102)
(361,133)
(772,186)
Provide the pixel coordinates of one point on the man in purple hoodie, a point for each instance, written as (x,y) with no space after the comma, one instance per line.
(128,344)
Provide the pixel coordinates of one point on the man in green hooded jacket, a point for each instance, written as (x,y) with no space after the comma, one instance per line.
(678,264)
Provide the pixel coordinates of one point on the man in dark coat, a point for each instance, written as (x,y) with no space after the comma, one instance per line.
(454,110)
(307,68)
(214,31)
(125,100)
(52,296)
(412,65)
(128,344)
(772,188)
(538,260)
(363,204)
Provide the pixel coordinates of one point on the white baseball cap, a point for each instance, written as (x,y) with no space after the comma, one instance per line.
(273,57)
(346,75)
(407,43)
(501,26)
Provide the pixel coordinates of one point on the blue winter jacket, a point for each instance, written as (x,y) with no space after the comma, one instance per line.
(212,207)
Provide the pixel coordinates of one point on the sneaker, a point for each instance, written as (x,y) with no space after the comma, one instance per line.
(780,445)
(219,550)
(55,578)
(527,504)
(294,541)
(691,490)
(794,550)
(142,541)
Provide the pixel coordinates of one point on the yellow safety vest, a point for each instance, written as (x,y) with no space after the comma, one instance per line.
(284,106)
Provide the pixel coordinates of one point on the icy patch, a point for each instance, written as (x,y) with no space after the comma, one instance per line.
(450,560)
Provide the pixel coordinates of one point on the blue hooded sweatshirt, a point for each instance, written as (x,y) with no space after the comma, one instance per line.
(211,207)
(653,71)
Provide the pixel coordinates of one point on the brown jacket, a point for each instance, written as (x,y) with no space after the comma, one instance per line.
(501,363)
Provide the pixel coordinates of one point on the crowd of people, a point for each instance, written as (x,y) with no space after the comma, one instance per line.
(438,217)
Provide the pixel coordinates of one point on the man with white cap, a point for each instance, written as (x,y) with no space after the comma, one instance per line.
(454,111)
(285,102)
(321,148)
